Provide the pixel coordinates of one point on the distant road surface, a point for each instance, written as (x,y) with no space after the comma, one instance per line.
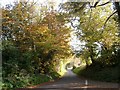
(72,81)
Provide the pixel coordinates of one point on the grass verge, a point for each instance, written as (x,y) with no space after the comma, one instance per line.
(107,74)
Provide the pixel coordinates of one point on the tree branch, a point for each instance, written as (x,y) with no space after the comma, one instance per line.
(72,21)
(103,4)
(109,18)
(99,5)
(96,3)
(117,6)
(73,25)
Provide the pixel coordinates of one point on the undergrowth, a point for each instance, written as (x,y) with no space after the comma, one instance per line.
(107,74)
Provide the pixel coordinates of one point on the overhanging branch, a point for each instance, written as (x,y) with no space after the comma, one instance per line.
(103,4)
(109,18)
(95,5)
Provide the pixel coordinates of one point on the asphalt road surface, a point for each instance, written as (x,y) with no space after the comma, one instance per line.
(71,81)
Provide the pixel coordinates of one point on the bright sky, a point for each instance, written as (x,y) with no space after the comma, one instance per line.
(4,2)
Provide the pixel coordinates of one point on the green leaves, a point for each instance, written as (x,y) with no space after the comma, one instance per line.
(91,30)
(32,42)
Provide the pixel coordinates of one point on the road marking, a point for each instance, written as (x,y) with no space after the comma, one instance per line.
(86,82)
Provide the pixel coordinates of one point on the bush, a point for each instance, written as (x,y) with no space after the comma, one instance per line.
(26,80)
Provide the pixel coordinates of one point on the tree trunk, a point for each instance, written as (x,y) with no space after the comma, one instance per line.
(92,55)
(117,6)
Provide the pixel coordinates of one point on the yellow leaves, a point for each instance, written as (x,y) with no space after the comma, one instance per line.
(43,29)
(51,40)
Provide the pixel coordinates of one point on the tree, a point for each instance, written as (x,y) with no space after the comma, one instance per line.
(33,44)
(50,37)
(92,28)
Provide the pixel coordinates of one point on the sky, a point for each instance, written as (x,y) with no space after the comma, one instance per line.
(4,2)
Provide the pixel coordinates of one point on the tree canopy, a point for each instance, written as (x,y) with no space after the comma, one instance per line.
(36,39)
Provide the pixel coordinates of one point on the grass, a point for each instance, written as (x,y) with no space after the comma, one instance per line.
(78,70)
(107,74)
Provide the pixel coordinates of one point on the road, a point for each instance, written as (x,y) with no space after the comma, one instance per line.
(71,81)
